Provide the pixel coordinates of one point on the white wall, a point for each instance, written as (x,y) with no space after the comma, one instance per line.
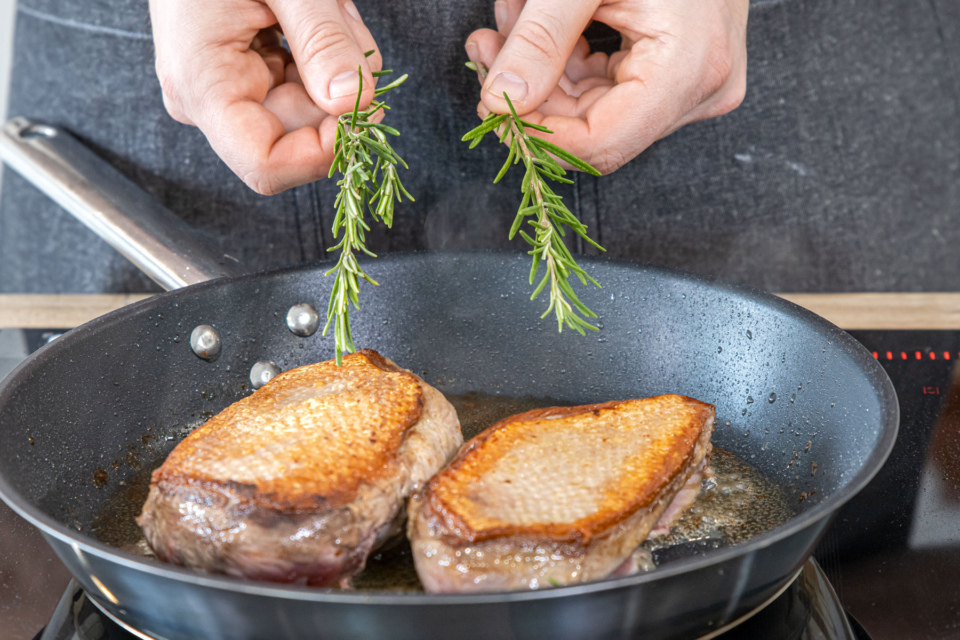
(6,48)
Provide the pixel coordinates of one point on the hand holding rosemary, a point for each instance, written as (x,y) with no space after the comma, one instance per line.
(548,212)
(368,166)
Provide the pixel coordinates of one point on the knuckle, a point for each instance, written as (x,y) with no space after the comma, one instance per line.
(169,85)
(608,160)
(732,97)
(728,97)
(175,112)
(539,37)
(171,93)
(719,66)
(321,40)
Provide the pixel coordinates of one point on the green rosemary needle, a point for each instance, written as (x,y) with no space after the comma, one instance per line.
(369,180)
(546,210)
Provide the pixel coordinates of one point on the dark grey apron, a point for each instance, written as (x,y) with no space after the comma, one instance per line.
(840,171)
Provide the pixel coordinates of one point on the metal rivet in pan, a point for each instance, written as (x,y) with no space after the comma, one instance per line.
(263,372)
(205,342)
(303,320)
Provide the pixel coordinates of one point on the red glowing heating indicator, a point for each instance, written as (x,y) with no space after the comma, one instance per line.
(916,354)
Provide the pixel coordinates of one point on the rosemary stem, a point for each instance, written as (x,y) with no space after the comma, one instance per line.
(369,181)
(545,229)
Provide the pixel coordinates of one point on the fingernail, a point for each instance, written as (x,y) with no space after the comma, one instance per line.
(511,84)
(344,84)
(500,13)
(351,8)
(473,52)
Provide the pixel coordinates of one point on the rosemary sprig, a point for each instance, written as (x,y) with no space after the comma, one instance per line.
(368,166)
(549,215)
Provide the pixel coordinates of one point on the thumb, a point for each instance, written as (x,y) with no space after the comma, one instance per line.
(532,60)
(326,52)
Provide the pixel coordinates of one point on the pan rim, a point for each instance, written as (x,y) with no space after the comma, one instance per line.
(889,426)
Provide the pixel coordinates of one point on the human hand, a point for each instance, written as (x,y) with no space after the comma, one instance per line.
(271,117)
(681,61)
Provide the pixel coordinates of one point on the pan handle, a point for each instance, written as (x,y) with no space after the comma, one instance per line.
(126,217)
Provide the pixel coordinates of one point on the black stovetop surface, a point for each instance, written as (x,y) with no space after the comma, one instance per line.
(892,554)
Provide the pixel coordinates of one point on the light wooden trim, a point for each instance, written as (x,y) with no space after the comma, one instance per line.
(884,310)
(38,311)
(847,310)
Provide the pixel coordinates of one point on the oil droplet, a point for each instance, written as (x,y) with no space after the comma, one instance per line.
(719,349)
(772,398)
(749,399)
(749,335)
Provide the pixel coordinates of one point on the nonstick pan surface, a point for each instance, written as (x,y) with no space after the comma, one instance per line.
(791,390)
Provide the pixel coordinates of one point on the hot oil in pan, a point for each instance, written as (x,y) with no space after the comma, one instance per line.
(737,503)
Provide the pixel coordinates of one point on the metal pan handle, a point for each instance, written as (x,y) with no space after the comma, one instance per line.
(126,217)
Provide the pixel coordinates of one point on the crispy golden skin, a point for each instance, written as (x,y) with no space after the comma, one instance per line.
(558,495)
(306,440)
(661,433)
(302,480)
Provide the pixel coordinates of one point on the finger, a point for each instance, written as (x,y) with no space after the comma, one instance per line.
(255,144)
(620,122)
(292,74)
(326,52)
(533,58)
(483,45)
(269,45)
(292,105)
(583,64)
(507,12)
(609,126)
(251,139)
(577,89)
(363,36)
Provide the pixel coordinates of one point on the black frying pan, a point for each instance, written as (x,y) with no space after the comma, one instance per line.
(129,380)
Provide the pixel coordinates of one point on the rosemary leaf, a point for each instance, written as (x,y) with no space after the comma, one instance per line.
(489,123)
(538,127)
(567,156)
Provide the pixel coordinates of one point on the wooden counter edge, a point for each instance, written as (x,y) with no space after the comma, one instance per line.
(883,311)
(58,311)
(847,310)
